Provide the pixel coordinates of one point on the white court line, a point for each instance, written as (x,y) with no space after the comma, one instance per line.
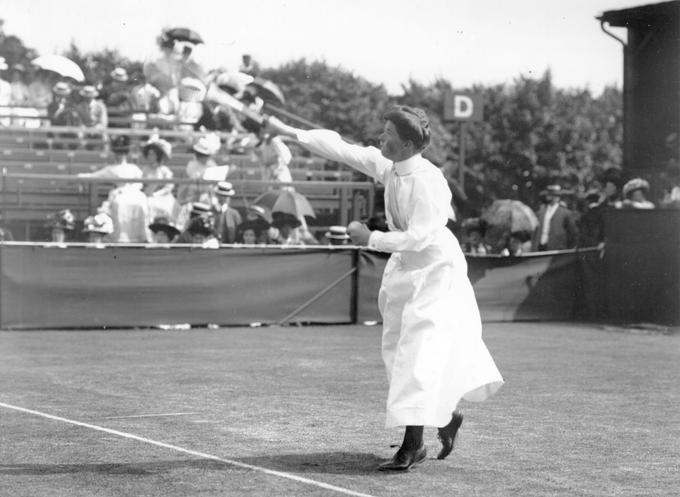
(150,415)
(203,455)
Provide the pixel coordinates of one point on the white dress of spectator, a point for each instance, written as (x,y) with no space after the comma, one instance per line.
(127,203)
(275,156)
(162,202)
(5,96)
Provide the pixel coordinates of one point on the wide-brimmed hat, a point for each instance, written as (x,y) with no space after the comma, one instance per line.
(635,184)
(281,218)
(63,219)
(474,224)
(162,223)
(89,91)
(120,74)
(121,144)
(162,147)
(191,90)
(201,226)
(62,88)
(99,223)
(224,189)
(337,233)
(254,225)
(207,145)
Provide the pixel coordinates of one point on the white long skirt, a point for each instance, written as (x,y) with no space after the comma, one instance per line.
(432,336)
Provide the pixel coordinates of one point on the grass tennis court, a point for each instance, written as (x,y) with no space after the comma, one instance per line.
(586,411)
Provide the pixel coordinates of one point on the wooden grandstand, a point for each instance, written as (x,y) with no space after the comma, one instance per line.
(39,168)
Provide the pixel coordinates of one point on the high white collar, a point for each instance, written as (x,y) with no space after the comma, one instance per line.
(404,167)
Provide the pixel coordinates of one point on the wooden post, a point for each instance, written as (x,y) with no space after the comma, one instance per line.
(461,156)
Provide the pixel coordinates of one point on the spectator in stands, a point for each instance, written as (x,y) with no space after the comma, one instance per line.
(118,99)
(40,89)
(556,226)
(5,233)
(216,117)
(274,157)
(518,243)
(249,66)
(196,169)
(63,112)
(289,230)
(161,200)
(474,230)
(93,112)
(20,94)
(591,220)
(163,230)
(126,204)
(227,218)
(5,95)
(191,95)
(196,209)
(98,228)
(634,194)
(60,224)
(248,233)
(611,178)
(337,235)
(145,97)
(203,233)
(260,218)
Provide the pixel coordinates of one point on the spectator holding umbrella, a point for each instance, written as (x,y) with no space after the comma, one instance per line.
(63,112)
(40,89)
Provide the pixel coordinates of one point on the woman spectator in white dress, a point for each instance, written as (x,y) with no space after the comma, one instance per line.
(126,204)
(161,200)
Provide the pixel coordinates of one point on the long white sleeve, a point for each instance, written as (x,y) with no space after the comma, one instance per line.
(331,146)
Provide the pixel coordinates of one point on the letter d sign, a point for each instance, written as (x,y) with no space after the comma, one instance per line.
(463,107)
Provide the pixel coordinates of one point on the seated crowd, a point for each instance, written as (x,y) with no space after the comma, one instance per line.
(145,207)
(564,220)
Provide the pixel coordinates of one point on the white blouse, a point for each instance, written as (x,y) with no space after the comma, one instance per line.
(417,196)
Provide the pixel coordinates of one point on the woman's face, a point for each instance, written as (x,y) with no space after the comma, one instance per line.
(58,235)
(161,237)
(249,237)
(152,157)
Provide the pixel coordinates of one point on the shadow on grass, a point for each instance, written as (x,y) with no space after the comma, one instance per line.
(346,463)
(322,462)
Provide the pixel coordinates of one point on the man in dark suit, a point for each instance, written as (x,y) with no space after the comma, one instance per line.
(556,226)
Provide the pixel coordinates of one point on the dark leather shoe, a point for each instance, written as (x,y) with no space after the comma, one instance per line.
(447,435)
(403,460)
